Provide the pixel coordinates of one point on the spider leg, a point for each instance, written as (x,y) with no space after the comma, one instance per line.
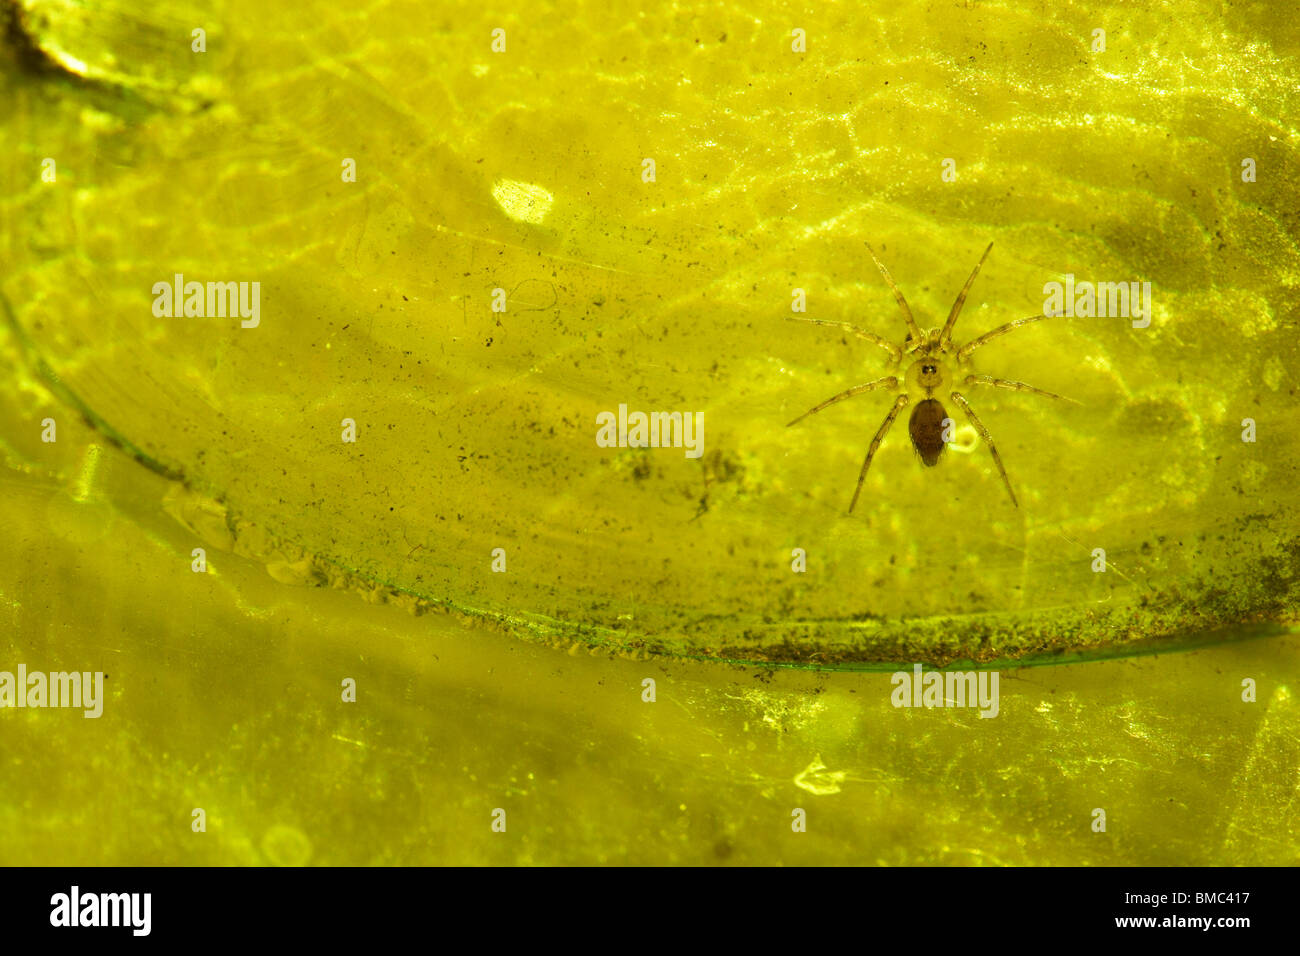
(969,347)
(946,336)
(988,440)
(912,327)
(889,381)
(860,333)
(875,443)
(1014,386)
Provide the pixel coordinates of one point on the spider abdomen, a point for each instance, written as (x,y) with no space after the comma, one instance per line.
(926,429)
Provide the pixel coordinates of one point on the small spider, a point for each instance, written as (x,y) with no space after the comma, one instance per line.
(935,351)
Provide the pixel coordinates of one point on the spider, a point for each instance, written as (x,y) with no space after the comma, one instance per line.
(937,361)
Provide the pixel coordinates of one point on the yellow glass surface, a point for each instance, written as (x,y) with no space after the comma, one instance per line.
(525,171)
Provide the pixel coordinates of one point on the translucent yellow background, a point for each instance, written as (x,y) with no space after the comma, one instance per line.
(773,168)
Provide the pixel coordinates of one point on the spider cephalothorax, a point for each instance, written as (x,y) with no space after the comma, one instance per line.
(933,362)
